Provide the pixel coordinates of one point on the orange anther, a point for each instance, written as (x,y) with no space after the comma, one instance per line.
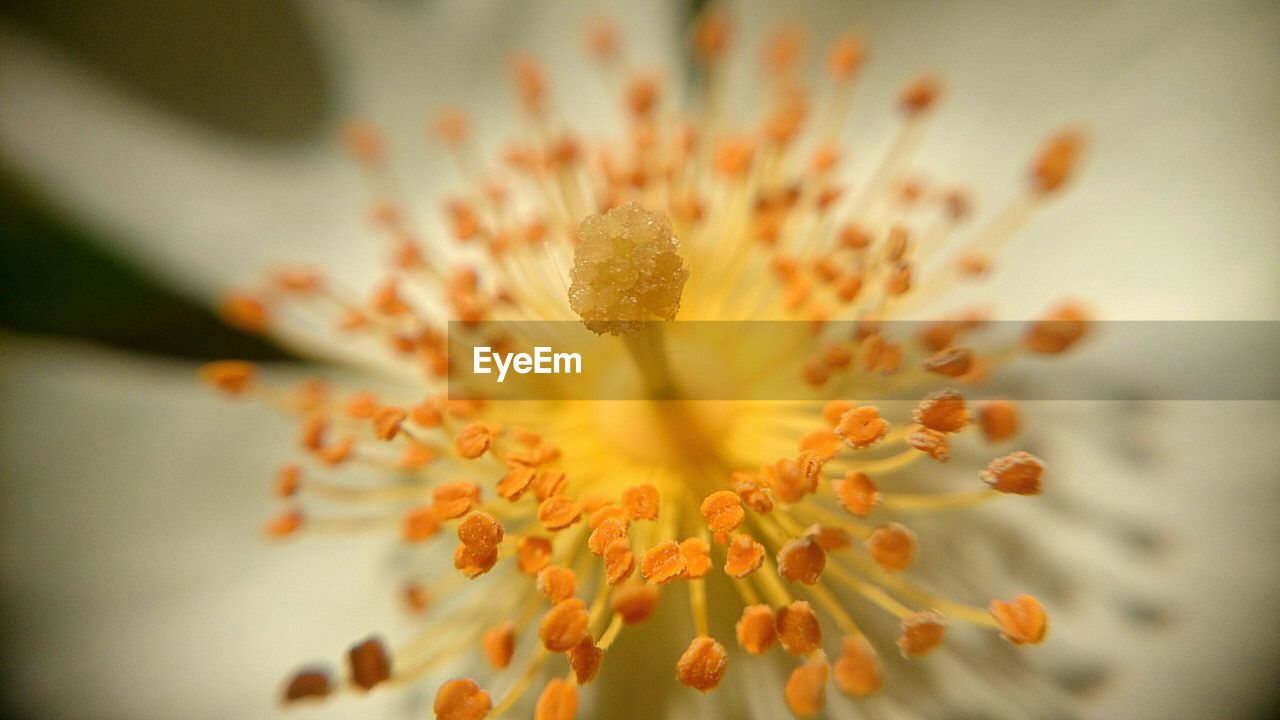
(1058,331)
(643,95)
(245,312)
(386,300)
(754,492)
(416,457)
(755,629)
(452,126)
(892,546)
(921,632)
(998,420)
(710,36)
(474,561)
(337,453)
(602,40)
(296,280)
(558,512)
(801,560)
(516,482)
(307,684)
(663,563)
(619,561)
(899,280)
(556,583)
(549,483)
(1056,162)
(585,659)
(790,480)
(361,405)
(479,530)
(723,511)
(973,265)
(697,557)
(611,529)
(455,499)
(564,625)
(919,95)
(473,440)
(1016,473)
(387,421)
(829,537)
(857,493)
(733,156)
(825,157)
(805,688)
(845,57)
(532,554)
(284,524)
(369,664)
(635,602)
(798,628)
(858,672)
(416,597)
(641,502)
(943,411)
(558,701)
(783,49)
(531,83)
(931,443)
(862,426)
(951,362)
(287,481)
(419,524)
(703,664)
(461,700)
(833,410)
(499,644)
(1022,620)
(364,142)
(607,511)
(824,444)
(232,377)
(744,557)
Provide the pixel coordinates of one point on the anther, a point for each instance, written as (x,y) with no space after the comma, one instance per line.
(801,560)
(755,629)
(858,672)
(805,687)
(744,556)
(862,427)
(921,632)
(703,664)
(232,377)
(369,663)
(499,644)
(1016,473)
(461,699)
(892,546)
(998,420)
(1022,620)
(798,628)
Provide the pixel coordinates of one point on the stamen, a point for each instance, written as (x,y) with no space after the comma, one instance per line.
(703,664)
(805,686)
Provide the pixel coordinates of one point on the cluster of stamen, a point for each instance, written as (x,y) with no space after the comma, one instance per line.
(687,215)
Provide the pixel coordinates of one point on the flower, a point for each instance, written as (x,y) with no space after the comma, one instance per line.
(483,437)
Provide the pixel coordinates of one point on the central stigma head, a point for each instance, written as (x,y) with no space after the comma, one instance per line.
(627,270)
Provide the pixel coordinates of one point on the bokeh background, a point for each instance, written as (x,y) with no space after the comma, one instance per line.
(153,152)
